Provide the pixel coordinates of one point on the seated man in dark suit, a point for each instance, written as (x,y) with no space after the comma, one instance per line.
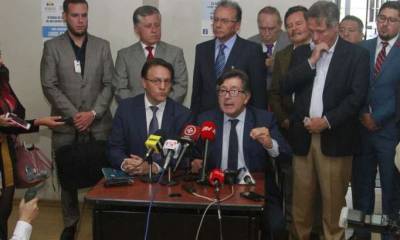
(142,115)
(252,140)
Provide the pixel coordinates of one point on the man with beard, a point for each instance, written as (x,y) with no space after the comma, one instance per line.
(379,131)
(76,74)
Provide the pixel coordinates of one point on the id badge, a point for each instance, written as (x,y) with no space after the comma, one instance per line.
(77,66)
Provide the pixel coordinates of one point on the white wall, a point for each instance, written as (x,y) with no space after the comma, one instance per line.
(21,43)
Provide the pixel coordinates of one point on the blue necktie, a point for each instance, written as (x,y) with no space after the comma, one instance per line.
(220,61)
(153,127)
(233,148)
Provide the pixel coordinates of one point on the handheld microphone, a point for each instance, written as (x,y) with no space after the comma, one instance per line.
(154,143)
(216,177)
(207,133)
(190,135)
(171,149)
(245,178)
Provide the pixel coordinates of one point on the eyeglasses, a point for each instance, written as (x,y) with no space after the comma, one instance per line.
(158,82)
(383,19)
(224,21)
(232,92)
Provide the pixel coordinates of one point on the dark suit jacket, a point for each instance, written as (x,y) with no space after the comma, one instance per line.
(382,89)
(281,105)
(245,55)
(343,95)
(129,129)
(255,156)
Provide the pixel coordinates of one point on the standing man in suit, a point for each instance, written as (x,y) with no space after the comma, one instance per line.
(130,60)
(351,29)
(245,137)
(76,73)
(271,37)
(282,105)
(140,116)
(330,84)
(225,52)
(379,131)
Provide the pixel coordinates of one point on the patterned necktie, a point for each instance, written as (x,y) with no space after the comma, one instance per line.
(381,58)
(220,61)
(150,52)
(233,146)
(153,127)
(269,49)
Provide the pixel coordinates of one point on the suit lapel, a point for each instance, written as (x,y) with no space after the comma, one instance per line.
(234,54)
(138,55)
(139,108)
(167,118)
(69,53)
(218,140)
(339,54)
(210,56)
(160,50)
(392,56)
(90,56)
(249,123)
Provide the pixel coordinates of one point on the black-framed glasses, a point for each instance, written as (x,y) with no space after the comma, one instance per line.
(159,81)
(231,92)
(383,19)
(224,21)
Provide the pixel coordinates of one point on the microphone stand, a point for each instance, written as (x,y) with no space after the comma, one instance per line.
(169,181)
(149,178)
(203,177)
(217,192)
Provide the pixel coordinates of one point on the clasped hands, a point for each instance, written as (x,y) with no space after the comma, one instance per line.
(135,165)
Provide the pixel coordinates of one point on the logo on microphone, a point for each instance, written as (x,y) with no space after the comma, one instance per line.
(190,130)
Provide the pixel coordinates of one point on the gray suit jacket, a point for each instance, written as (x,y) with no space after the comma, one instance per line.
(69,93)
(281,43)
(128,67)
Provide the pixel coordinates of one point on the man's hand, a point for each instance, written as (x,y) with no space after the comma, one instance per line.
(316,125)
(369,122)
(262,135)
(135,165)
(51,121)
(6,122)
(317,52)
(83,120)
(28,211)
(197,164)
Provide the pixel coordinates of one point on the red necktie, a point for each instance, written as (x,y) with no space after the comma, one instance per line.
(381,58)
(150,52)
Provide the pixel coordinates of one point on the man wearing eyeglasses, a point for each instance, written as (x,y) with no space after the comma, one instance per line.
(379,131)
(130,60)
(224,52)
(246,137)
(140,116)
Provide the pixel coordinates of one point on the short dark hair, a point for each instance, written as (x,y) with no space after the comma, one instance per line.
(231,4)
(324,10)
(144,11)
(271,11)
(354,19)
(66,3)
(391,4)
(157,62)
(231,73)
(296,9)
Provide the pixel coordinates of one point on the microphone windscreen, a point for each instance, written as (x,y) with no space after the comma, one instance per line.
(216,176)
(207,131)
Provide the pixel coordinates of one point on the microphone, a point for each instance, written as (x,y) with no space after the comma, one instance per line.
(244,177)
(207,133)
(154,143)
(190,135)
(171,149)
(216,177)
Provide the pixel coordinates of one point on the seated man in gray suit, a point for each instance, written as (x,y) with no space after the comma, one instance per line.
(271,37)
(130,60)
(76,73)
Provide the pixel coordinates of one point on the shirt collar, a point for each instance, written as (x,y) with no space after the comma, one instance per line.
(228,44)
(391,42)
(144,46)
(147,104)
(240,117)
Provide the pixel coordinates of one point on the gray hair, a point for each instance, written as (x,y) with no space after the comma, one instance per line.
(233,5)
(324,10)
(144,11)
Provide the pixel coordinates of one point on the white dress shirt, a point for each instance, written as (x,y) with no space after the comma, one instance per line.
(379,41)
(322,67)
(22,231)
(273,152)
(146,53)
(149,112)
(228,47)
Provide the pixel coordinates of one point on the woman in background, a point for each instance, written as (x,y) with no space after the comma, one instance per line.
(8,130)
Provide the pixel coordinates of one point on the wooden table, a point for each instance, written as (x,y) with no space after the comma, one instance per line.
(120,212)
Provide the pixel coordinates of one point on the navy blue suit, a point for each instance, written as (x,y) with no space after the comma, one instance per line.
(255,157)
(129,129)
(378,147)
(245,55)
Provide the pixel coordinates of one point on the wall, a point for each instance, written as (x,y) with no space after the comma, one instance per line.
(21,42)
